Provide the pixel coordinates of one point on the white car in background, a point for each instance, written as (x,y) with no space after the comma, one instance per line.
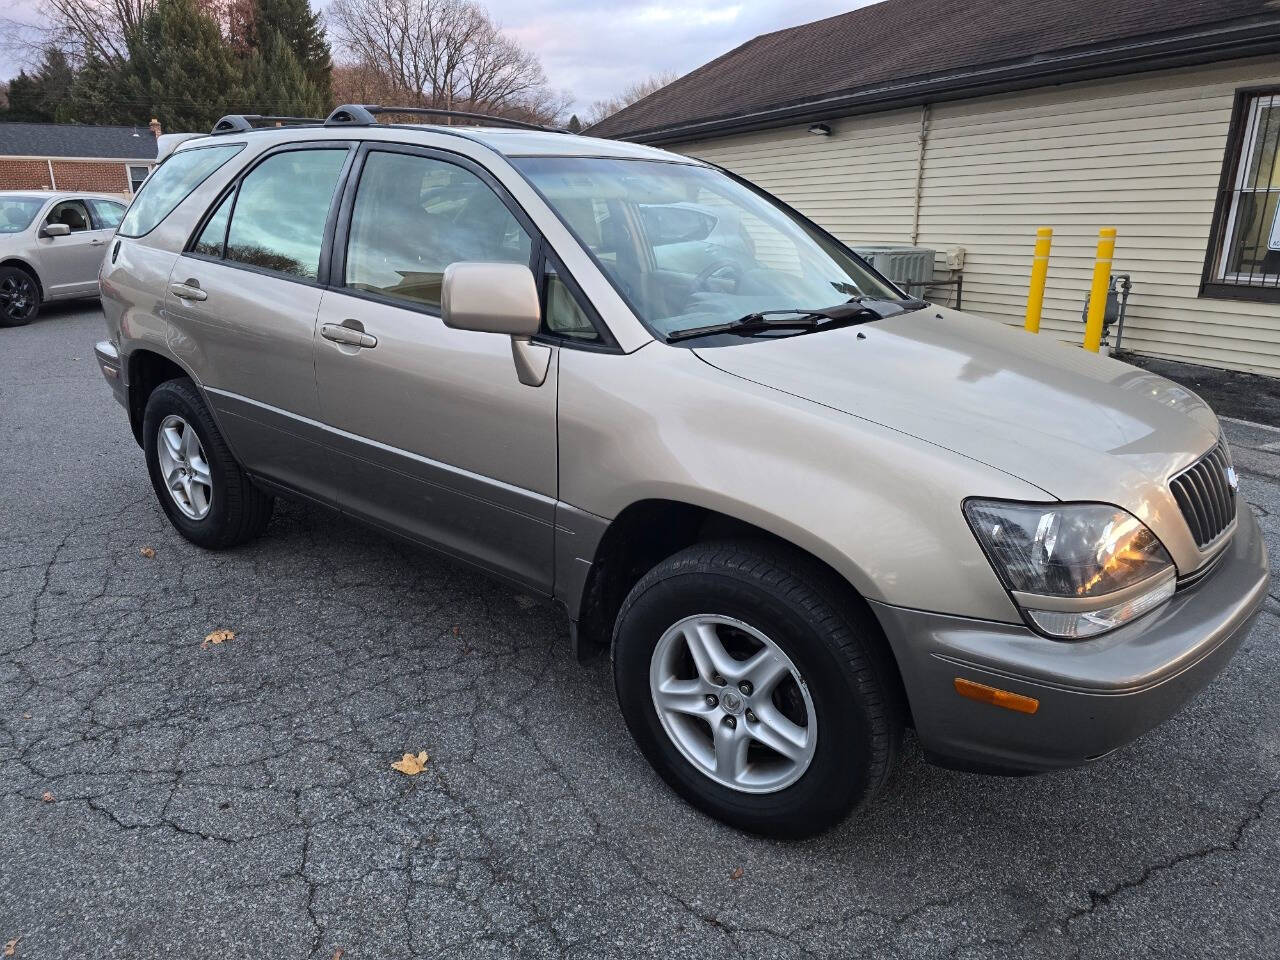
(51,245)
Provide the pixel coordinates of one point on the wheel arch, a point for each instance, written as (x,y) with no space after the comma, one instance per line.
(649,531)
(27,267)
(145,370)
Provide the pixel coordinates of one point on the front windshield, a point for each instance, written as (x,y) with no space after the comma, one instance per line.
(689,247)
(16,213)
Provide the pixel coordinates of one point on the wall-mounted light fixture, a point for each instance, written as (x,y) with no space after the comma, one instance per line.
(820,130)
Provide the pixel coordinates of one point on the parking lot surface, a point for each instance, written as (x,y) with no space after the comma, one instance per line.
(165,797)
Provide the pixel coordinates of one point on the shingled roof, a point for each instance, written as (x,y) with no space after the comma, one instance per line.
(904,52)
(76,140)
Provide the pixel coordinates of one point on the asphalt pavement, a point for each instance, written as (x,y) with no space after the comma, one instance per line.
(163,797)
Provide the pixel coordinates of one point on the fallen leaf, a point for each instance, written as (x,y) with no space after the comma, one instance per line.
(457,631)
(737,874)
(26,716)
(11,947)
(147,552)
(218,636)
(48,797)
(411,765)
(337,954)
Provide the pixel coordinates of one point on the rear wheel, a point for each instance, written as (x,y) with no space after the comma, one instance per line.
(201,488)
(19,297)
(757,687)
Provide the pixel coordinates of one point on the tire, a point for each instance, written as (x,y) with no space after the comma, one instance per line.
(234,510)
(19,297)
(831,640)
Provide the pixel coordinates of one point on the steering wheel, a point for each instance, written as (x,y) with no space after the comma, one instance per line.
(708,273)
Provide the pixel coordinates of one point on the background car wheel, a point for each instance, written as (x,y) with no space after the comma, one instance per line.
(19,297)
(201,488)
(758,687)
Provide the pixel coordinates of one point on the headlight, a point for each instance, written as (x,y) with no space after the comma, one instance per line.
(1075,570)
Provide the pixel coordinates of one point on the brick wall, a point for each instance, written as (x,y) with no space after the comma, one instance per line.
(24,175)
(92,176)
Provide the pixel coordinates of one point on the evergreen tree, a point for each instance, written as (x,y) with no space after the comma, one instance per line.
(575,125)
(274,81)
(180,70)
(35,98)
(303,34)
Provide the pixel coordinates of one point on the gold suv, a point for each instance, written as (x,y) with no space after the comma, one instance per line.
(803,509)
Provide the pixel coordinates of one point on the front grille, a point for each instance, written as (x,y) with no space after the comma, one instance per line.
(1206,495)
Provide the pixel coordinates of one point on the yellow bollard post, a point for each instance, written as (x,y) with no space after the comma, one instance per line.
(1098,292)
(1039,273)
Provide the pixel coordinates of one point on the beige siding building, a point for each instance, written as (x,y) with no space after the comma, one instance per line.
(1183,161)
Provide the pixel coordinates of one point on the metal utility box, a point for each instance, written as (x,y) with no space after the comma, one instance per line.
(909,267)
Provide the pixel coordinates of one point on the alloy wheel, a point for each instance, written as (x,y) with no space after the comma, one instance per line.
(17,296)
(184,467)
(733,703)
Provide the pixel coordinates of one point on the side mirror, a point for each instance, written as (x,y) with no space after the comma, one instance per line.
(498,298)
(491,298)
(54,230)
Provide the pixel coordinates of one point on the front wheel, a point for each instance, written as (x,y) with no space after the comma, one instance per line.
(19,297)
(201,488)
(757,687)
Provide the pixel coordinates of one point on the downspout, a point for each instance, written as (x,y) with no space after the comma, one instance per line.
(924,139)
(53,183)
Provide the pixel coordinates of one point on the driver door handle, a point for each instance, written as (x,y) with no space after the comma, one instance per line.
(348,336)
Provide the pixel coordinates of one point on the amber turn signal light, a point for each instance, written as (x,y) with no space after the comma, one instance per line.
(996,697)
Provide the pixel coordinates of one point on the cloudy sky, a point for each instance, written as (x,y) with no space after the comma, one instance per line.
(594,48)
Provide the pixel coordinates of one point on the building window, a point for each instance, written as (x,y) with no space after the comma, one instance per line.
(1243,260)
(136,177)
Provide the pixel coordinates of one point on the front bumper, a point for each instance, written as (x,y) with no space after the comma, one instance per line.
(108,357)
(1095,695)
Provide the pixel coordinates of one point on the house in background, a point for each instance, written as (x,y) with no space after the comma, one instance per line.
(71,156)
(966,124)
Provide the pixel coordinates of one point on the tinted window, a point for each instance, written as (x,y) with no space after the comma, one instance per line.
(172,181)
(16,213)
(215,231)
(280,212)
(71,212)
(106,214)
(414,216)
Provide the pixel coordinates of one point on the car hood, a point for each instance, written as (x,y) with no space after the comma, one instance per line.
(1078,425)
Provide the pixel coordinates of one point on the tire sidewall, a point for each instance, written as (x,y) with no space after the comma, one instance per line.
(176,397)
(837,777)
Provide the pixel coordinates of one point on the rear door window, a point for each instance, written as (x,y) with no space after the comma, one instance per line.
(172,183)
(107,214)
(280,211)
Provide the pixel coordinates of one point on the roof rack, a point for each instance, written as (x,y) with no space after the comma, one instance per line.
(363,115)
(240,122)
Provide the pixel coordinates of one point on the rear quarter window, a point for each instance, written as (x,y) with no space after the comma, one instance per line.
(171,183)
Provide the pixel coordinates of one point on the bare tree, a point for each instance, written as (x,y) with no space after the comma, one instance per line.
(637,91)
(441,53)
(82,29)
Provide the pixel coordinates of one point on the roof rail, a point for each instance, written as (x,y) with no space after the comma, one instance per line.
(363,115)
(240,122)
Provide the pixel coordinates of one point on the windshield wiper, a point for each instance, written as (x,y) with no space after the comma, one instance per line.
(763,320)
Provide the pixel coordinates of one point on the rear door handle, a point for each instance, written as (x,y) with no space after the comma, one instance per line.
(188,291)
(348,336)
